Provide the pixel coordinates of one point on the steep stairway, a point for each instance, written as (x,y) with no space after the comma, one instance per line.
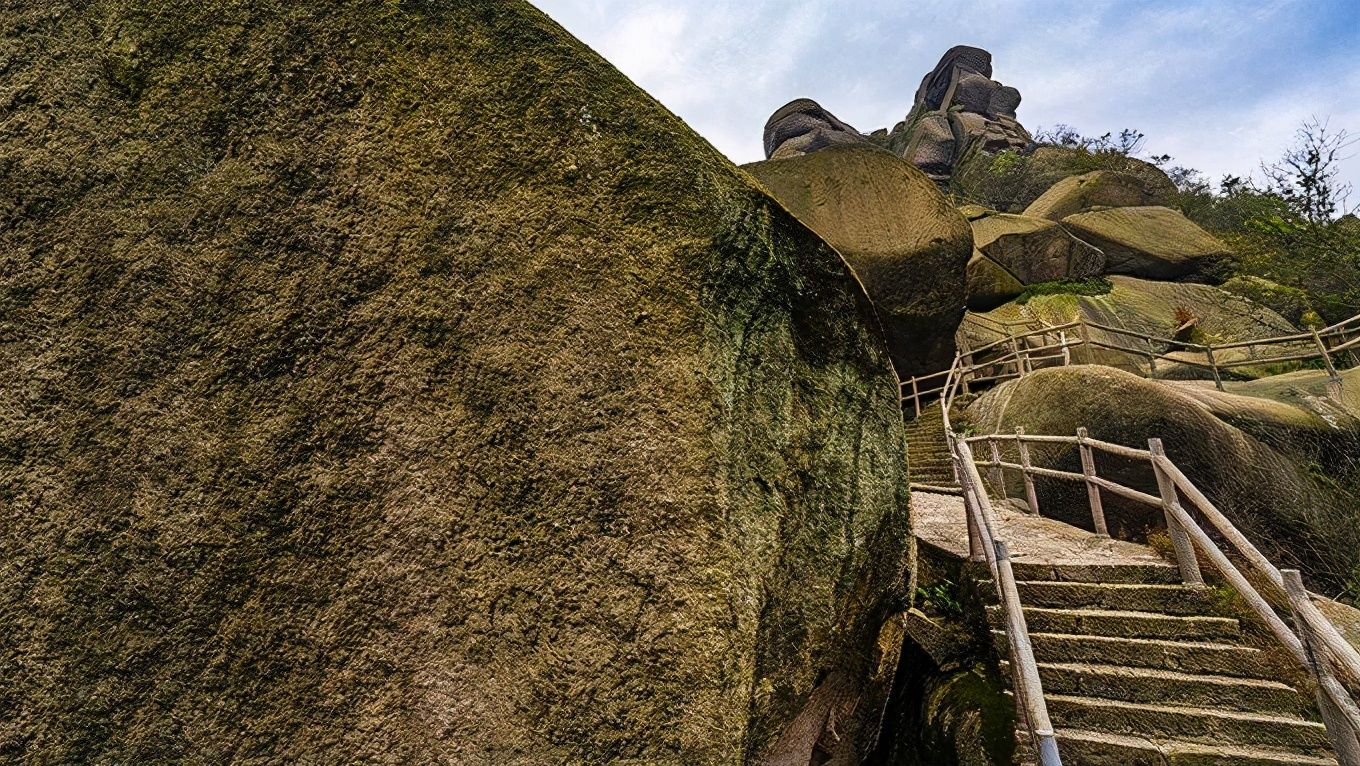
(1138,669)
(929,462)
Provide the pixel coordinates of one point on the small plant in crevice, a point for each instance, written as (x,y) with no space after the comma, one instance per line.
(940,599)
(1158,540)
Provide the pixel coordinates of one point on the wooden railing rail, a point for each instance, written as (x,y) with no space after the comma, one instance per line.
(984,545)
(1312,639)
(1013,356)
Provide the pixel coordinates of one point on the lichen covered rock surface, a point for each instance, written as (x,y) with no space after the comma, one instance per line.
(398,383)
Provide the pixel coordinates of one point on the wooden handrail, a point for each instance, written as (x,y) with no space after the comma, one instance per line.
(1313,640)
(1029,689)
(1023,359)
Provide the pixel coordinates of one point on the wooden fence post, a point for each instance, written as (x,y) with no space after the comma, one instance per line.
(1088,469)
(966,365)
(1023,449)
(1085,333)
(1326,353)
(1066,354)
(916,396)
(998,473)
(1339,713)
(1213,367)
(1019,360)
(1185,550)
(1333,380)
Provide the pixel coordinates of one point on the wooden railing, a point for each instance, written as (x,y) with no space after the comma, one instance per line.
(1313,640)
(1019,354)
(1307,635)
(984,545)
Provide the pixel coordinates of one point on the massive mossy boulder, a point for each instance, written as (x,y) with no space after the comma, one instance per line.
(908,245)
(398,383)
(1101,188)
(1279,460)
(1034,249)
(1152,242)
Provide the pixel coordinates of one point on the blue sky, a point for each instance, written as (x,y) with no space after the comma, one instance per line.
(1218,84)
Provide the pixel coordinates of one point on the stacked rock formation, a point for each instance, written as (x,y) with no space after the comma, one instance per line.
(958,109)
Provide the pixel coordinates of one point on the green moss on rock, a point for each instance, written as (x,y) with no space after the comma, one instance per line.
(1290,302)
(396,382)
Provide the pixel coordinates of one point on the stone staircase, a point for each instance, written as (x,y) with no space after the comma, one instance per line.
(929,461)
(1138,669)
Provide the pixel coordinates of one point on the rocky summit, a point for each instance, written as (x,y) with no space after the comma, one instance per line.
(958,110)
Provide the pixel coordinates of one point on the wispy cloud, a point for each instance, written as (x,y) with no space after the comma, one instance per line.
(1219,84)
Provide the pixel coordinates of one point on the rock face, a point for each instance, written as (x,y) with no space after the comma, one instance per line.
(989,284)
(1035,249)
(1152,242)
(905,241)
(327,444)
(958,109)
(1101,188)
(803,127)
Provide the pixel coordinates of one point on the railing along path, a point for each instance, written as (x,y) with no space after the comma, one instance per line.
(1020,353)
(1307,635)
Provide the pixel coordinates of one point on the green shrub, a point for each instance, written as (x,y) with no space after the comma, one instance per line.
(1092,286)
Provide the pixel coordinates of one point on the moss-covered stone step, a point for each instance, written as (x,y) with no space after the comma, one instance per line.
(1146,574)
(1151,686)
(1090,748)
(1134,597)
(1192,724)
(1181,656)
(1122,624)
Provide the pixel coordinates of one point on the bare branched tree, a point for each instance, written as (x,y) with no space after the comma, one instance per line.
(1306,176)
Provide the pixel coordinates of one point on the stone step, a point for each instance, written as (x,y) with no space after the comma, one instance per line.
(1089,748)
(1123,597)
(1199,657)
(1147,685)
(1191,724)
(1119,624)
(1126,574)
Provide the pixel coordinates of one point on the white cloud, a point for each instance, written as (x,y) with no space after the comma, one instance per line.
(1219,84)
